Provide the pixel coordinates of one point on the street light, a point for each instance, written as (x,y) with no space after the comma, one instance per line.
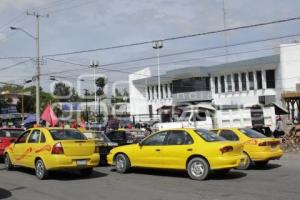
(94,65)
(158,44)
(37,41)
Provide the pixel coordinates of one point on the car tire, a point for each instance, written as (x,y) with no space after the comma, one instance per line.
(7,163)
(246,164)
(86,172)
(261,164)
(40,170)
(198,169)
(222,172)
(122,163)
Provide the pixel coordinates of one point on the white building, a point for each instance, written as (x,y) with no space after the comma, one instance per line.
(240,84)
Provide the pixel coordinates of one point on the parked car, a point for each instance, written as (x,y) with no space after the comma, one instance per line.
(121,137)
(7,136)
(258,149)
(47,149)
(102,142)
(197,151)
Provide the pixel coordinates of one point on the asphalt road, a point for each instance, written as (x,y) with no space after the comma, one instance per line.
(279,180)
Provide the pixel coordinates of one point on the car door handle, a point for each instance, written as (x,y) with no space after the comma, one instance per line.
(157,149)
(189,149)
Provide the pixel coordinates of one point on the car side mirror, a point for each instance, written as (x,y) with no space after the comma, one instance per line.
(13,140)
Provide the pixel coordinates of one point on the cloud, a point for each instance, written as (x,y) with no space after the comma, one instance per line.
(2,38)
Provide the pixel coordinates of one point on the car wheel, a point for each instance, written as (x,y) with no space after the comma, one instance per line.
(122,163)
(7,163)
(86,172)
(198,169)
(261,163)
(222,171)
(246,163)
(40,170)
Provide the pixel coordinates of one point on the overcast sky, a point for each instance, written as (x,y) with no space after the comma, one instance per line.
(88,24)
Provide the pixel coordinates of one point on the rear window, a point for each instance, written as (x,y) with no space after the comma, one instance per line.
(10,133)
(66,134)
(209,136)
(252,133)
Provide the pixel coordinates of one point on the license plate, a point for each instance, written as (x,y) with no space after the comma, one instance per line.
(81,162)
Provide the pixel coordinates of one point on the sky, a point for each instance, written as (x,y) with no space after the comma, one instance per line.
(75,25)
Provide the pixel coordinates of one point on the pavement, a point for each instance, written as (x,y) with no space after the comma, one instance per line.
(279,180)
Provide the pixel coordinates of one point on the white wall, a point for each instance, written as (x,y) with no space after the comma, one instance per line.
(289,70)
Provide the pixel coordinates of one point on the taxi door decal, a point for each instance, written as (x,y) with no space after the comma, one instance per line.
(29,150)
(44,148)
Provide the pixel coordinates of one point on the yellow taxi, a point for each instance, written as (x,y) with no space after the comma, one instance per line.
(258,148)
(197,151)
(46,149)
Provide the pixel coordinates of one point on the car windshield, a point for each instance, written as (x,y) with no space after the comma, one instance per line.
(66,134)
(185,116)
(252,133)
(209,136)
(11,133)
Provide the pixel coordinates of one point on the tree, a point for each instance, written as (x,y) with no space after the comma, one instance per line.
(100,83)
(62,91)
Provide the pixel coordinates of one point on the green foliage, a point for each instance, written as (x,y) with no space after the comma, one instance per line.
(100,82)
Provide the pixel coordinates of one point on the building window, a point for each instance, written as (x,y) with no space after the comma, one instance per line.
(222,84)
(166,90)
(229,83)
(259,79)
(216,85)
(171,89)
(251,80)
(148,92)
(270,77)
(236,82)
(157,94)
(152,92)
(191,84)
(244,82)
(161,91)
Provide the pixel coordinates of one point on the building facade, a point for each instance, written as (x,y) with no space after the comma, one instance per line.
(241,84)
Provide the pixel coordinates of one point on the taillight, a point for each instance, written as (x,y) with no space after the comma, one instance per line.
(226,149)
(57,149)
(0,141)
(262,144)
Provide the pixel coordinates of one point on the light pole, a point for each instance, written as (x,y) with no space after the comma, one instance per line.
(158,44)
(94,65)
(37,40)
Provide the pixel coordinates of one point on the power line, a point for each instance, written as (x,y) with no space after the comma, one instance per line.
(14,65)
(175,38)
(191,51)
(74,6)
(13,57)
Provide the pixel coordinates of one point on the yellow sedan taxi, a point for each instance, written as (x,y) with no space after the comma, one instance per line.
(197,151)
(258,148)
(46,149)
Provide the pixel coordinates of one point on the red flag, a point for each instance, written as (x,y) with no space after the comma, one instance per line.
(49,116)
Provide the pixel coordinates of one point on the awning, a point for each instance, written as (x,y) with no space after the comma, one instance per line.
(279,110)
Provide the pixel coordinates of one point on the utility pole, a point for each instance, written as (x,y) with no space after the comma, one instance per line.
(37,62)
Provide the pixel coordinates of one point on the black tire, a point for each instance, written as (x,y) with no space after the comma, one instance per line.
(246,164)
(198,169)
(261,164)
(7,163)
(40,170)
(86,172)
(122,163)
(221,172)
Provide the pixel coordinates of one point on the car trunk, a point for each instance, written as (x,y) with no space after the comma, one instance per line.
(78,147)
